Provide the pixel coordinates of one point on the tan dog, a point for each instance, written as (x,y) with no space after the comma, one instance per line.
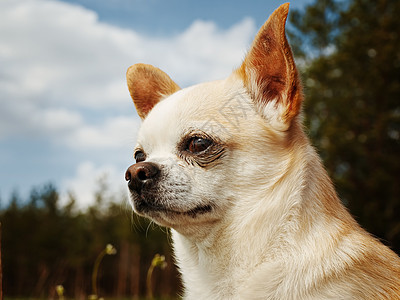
(253,213)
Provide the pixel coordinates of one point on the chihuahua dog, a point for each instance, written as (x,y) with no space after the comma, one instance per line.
(253,214)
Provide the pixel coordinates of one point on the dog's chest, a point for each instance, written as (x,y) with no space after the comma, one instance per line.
(205,274)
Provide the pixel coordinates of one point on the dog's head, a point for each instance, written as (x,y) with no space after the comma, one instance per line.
(208,148)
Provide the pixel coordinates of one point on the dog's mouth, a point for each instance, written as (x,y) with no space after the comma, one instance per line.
(144,207)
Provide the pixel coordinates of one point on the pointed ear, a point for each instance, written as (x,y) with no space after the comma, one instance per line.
(148,85)
(269,72)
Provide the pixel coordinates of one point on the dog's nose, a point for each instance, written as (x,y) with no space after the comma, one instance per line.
(139,174)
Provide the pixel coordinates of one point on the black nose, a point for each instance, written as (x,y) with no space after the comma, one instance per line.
(141,173)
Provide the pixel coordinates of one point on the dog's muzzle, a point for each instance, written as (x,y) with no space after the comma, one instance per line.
(140,175)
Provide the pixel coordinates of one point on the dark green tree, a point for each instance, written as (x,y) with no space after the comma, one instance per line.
(349,53)
(45,244)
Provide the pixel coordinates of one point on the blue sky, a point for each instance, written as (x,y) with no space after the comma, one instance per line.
(157,17)
(65,112)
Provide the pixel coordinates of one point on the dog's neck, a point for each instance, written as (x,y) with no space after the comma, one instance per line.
(226,248)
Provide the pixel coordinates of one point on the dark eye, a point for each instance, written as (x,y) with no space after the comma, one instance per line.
(197,144)
(139,156)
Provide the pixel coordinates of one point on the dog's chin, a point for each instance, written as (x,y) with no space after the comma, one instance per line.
(166,216)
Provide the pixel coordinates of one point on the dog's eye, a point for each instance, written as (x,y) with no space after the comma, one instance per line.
(197,144)
(139,156)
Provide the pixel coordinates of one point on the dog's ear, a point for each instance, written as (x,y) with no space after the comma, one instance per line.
(269,72)
(148,85)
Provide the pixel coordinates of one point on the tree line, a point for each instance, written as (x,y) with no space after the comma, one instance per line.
(350,57)
(46,244)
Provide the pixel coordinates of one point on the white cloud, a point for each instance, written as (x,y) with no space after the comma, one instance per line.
(114,132)
(55,54)
(62,50)
(61,53)
(206,52)
(90,179)
(29,119)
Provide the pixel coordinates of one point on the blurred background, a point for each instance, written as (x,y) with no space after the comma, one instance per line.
(68,127)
